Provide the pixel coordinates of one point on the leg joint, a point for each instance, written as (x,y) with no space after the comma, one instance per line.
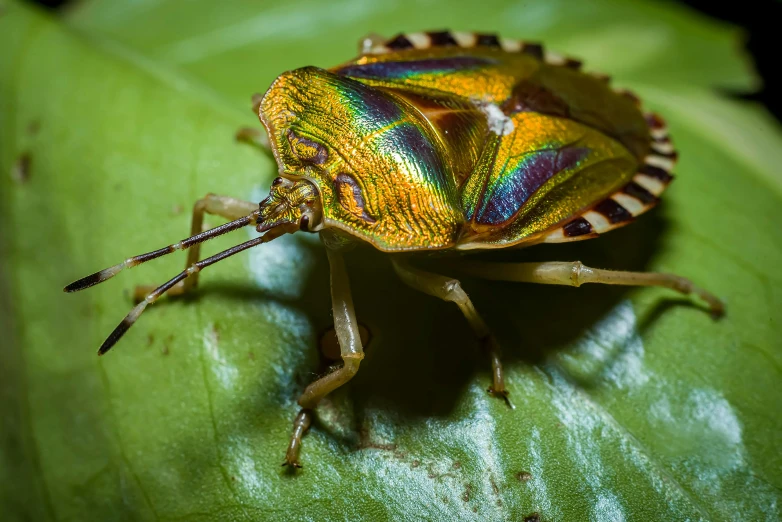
(352,362)
(454,292)
(576,273)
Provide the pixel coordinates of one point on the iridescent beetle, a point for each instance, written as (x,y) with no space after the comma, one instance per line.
(449,141)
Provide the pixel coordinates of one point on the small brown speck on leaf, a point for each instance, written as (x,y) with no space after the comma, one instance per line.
(150,339)
(523,476)
(467,492)
(21,170)
(164,350)
(416,463)
(177,209)
(457,465)
(532,517)
(251,355)
(33,127)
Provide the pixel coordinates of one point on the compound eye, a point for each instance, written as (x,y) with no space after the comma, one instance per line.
(277,182)
(304,224)
(307,150)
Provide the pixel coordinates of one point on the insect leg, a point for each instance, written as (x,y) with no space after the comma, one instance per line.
(255,137)
(575,274)
(451,290)
(223,206)
(351,352)
(252,135)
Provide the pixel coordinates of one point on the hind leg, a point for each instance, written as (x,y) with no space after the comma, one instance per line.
(223,206)
(576,274)
(449,289)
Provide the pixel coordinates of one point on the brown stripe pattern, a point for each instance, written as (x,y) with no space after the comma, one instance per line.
(632,200)
(430,39)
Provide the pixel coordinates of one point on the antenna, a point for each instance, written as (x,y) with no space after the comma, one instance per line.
(137,310)
(108,273)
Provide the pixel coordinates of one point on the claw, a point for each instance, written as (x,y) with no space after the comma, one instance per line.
(292,463)
(503,394)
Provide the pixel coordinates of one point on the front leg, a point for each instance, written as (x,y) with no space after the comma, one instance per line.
(351,352)
(223,206)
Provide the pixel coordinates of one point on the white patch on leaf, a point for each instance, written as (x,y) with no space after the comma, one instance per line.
(586,432)
(698,434)
(608,509)
(240,462)
(537,483)
(440,487)
(611,350)
(223,371)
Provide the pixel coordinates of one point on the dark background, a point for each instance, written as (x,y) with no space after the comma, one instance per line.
(757,17)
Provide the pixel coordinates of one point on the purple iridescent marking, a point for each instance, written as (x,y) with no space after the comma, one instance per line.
(407,69)
(318,154)
(373,110)
(370,105)
(346,179)
(504,199)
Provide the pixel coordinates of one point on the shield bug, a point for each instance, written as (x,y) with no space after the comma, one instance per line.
(448,141)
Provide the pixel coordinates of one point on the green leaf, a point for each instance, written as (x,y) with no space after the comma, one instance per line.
(631,404)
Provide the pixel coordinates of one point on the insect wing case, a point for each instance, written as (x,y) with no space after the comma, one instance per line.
(377,163)
(559,141)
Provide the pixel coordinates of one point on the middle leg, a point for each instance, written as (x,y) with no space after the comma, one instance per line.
(449,289)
